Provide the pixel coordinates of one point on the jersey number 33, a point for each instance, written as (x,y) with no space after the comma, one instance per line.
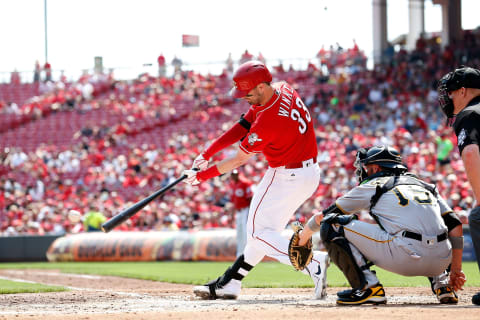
(296,115)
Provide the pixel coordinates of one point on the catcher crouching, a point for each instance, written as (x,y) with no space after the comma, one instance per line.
(416,232)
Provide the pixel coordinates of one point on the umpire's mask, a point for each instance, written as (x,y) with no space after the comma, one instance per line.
(462,77)
(443,89)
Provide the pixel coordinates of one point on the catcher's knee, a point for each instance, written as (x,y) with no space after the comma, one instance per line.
(339,250)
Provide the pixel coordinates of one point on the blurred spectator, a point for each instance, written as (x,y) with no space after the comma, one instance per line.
(246,56)
(170,114)
(168,224)
(36,72)
(177,64)
(74,219)
(444,147)
(261,58)
(162,66)
(229,63)
(15,77)
(47,68)
(93,219)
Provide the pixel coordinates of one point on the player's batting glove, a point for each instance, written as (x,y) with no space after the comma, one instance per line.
(200,163)
(191,177)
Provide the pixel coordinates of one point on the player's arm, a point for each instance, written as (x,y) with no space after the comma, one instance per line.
(353,201)
(235,161)
(455,235)
(238,131)
(457,277)
(471,161)
(224,166)
(313,224)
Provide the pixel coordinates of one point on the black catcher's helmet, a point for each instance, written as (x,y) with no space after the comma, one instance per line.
(385,156)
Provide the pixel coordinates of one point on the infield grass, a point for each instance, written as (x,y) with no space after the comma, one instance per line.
(7,286)
(264,275)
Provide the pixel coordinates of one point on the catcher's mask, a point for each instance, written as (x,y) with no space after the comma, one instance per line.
(360,171)
(462,77)
(388,158)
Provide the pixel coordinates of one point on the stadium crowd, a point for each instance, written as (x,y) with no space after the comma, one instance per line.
(156,125)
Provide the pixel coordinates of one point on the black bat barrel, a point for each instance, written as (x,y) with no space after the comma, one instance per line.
(129,212)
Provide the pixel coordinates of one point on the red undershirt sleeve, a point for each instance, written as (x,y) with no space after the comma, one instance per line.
(231,136)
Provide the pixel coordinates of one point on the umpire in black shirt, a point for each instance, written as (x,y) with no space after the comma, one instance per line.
(459,98)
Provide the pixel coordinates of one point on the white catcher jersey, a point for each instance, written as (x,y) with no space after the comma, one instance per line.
(405,207)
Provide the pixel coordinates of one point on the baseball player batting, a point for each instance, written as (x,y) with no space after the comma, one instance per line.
(279,125)
(414,236)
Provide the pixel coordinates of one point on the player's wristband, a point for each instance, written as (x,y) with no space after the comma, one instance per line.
(208,174)
(457,242)
(312,224)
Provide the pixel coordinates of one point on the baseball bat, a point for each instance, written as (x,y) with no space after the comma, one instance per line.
(132,210)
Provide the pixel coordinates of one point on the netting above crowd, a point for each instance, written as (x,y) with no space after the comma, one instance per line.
(93,147)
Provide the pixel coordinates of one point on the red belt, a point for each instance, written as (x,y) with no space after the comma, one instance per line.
(296,165)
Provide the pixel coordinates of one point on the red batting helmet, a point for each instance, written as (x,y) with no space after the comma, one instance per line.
(248,76)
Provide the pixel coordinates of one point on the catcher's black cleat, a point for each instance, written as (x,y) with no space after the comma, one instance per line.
(344,293)
(446,295)
(374,295)
(476,299)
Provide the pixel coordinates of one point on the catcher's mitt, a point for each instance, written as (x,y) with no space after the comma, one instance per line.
(300,256)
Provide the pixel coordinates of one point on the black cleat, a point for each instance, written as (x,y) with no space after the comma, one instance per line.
(374,295)
(344,293)
(446,295)
(476,299)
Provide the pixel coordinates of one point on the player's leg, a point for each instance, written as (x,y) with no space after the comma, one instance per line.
(228,286)
(397,253)
(271,211)
(277,197)
(474,223)
(365,285)
(394,253)
(442,290)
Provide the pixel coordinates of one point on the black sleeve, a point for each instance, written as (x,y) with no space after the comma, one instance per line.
(451,220)
(332,208)
(244,123)
(468,131)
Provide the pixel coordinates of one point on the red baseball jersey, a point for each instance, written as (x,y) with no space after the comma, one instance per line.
(241,193)
(282,129)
